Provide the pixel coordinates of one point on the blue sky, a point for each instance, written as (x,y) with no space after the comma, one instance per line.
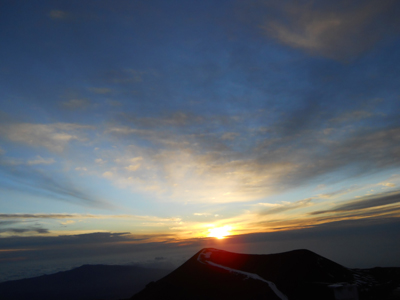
(162,120)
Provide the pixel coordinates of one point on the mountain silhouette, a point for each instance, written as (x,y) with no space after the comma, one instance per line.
(216,274)
(298,274)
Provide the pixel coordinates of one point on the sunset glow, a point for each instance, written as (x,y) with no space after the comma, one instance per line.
(220,232)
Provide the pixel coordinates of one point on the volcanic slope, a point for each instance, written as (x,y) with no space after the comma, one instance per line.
(218,274)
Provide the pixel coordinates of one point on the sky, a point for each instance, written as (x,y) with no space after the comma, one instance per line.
(142,126)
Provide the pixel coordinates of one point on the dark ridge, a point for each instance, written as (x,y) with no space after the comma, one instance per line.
(298,274)
(216,274)
(88,282)
(194,280)
(287,269)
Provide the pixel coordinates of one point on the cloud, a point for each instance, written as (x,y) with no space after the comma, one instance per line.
(24,230)
(101,91)
(17,216)
(133,168)
(94,247)
(75,104)
(26,178)
(68,222)
(81,169)
(175,158)
(8,222)
(339,29)
(387,184)
(41,161)
(65,245)
(365,203)
(351,116)
(54,137)
(38,216)
(285,206)
(125,76)
(268,223)
(339,192)
(100,161)
(108,174)
(360,149)
(229,136)
(181,174)
(59,15)
(178,119)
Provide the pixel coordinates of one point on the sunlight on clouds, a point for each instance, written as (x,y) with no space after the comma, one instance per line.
(68,222)
(135,164)
(286,206)
(81,169)
(54,137)
(108,174)
(100,161)
(139,223)
(185,174)
(387,184)
(272,204)
(132,168)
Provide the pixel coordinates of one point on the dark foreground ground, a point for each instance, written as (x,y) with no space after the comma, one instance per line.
(215,274)
(294,275)
(88,282)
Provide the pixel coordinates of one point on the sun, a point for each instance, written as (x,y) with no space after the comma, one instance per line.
(219,232)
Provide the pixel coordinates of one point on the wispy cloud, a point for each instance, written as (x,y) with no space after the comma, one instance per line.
(388,184)
(53,186)
(41,161)
(54,137)
(285,206)
(337,30)
(56,14)
(126,76)
(100,90)
(38,216)
(75,104)
(24,230)
(270,163)
(365,203)
(17,216)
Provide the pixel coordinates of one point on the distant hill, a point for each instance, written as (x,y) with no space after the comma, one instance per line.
(88,282)
(294,275)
